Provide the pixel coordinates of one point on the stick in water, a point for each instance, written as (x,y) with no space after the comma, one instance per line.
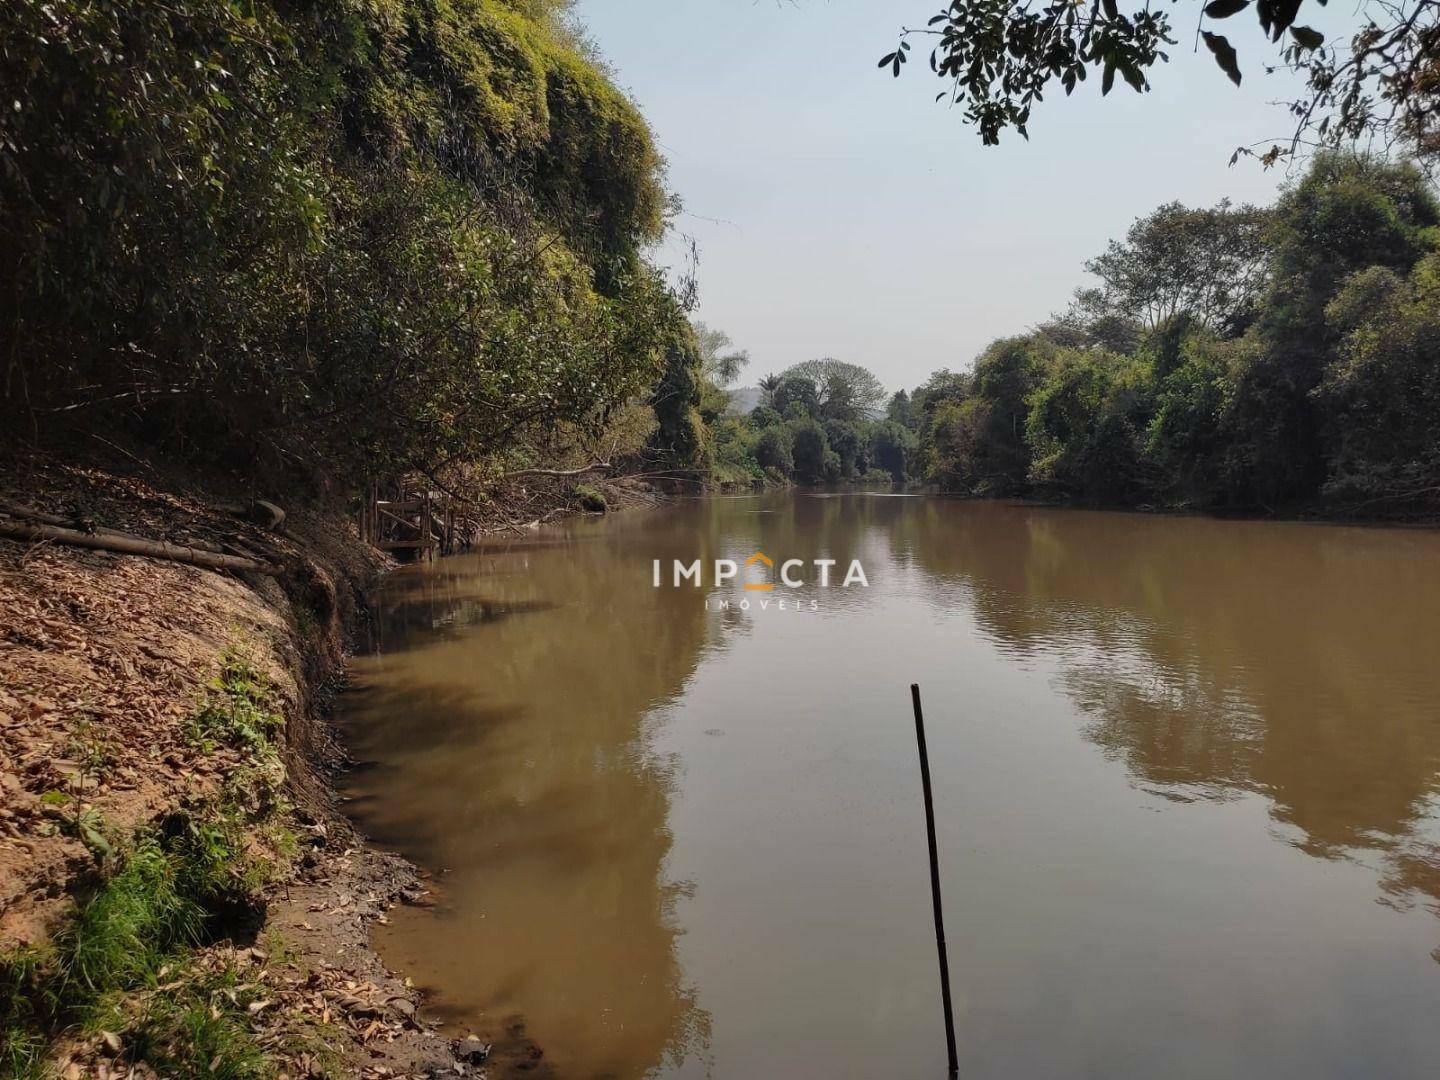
(935,881)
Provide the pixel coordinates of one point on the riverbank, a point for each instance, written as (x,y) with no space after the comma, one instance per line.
(179,890)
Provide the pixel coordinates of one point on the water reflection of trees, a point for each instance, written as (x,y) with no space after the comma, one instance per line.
(809,526)
(510,752)
(504,721)
(1218,657)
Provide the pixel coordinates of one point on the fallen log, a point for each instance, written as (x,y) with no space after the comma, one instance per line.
(135,545)
(20,511)
(17,510)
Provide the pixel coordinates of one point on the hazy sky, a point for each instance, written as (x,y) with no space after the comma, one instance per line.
(840,212)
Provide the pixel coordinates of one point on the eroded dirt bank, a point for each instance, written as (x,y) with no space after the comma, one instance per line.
(179,893)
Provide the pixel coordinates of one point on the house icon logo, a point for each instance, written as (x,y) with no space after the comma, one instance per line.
(759,559)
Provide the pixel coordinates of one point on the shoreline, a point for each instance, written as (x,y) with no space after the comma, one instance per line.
(145,699)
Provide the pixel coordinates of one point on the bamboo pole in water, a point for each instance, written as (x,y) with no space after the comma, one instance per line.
(935,881)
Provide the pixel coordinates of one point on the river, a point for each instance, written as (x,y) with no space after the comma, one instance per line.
(1187,787)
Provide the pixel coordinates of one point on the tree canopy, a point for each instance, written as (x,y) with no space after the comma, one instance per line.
(1208,263)
(380,236)
(1324,395)
(999,58)
(844,391)
(719,359)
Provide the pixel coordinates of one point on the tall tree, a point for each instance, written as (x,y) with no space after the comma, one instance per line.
(845,391)
(720,361)
(1347,214)
(899,410)
(768,385)
(795,395)
(1209,264)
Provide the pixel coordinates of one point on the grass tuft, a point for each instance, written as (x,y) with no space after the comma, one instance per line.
(158,903)
(197,1029)
(237,710)
(127,929)
(164,891)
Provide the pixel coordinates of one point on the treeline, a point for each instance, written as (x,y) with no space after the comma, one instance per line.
(333,238)
(1231,358)
(821,421)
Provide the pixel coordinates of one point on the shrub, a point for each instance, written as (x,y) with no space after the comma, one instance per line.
(773,450)
(236,711)
(588,498)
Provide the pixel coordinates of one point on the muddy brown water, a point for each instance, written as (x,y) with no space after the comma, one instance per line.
(1187,779)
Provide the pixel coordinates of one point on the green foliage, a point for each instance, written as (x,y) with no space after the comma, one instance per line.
(975,429)
(900,410)
(23,1041)
(1207,264)
(199,1029)
(589,498)
(815,424)
(1382,389)
(774,450)
(1348,213)
(162,893)
(1183,437)
(736,457)
(1082,427)
(795,397)
(810,450)
(852,449)
(1321,385)
(681,439)
(345,237)
(768,384)
(154,905)
(892,448)
(999,58)
(841,391)
(237,710)
(720,361)
(763,416)
(128,927)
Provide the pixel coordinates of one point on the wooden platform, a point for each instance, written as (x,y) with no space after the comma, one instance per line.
(404,520)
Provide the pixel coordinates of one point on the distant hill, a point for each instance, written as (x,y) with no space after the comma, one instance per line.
(744,399)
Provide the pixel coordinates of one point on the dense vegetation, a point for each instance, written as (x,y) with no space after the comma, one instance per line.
(1230,359)
(816,422)
(338,239)
(333,238)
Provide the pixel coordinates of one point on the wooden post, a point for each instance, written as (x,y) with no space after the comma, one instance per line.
(935,881)
(425,534)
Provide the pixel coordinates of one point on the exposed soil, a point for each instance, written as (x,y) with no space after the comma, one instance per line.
(104,660)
